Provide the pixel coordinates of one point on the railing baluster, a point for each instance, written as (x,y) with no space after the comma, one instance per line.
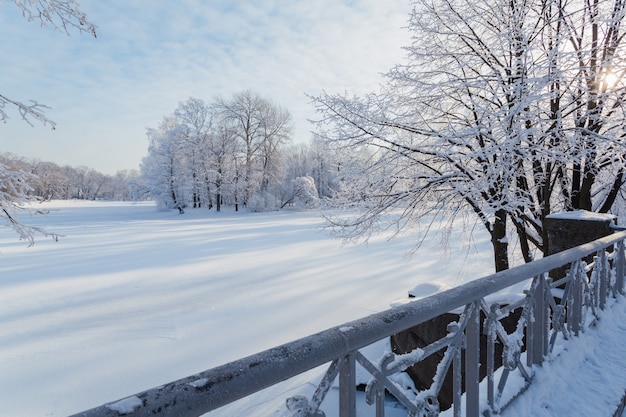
(490,331)
(380,400)
(602,271)
(457,382)
(619,267)
(472,361)
(347,387)
(536,332)
(538,324)
(576,305)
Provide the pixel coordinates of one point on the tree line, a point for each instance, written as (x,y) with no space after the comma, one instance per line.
(47,180)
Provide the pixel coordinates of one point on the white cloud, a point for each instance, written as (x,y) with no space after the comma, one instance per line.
(151,55)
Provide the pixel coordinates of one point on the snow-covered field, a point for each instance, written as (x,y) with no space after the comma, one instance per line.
(131,297)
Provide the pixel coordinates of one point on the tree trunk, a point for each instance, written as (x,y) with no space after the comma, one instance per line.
(614,192)
(523,240)
(500,242)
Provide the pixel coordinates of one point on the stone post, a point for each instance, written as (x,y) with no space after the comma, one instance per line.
(569,229)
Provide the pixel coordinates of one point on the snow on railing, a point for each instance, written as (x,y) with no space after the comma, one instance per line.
(545,317)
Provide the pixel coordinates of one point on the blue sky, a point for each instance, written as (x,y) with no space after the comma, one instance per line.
(152,54)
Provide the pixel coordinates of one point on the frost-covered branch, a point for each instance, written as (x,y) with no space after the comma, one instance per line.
(63,15)
(29,112)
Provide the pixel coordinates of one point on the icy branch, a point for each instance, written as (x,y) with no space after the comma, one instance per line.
(29,112)
(63,15)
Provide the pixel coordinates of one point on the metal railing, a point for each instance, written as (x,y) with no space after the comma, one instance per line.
(544,317)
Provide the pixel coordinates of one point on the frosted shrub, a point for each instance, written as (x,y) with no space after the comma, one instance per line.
(305,193)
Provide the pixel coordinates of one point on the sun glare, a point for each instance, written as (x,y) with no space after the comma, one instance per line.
(610,80)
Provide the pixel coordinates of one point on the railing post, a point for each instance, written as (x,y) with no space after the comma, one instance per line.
(472,361)
(619,267)
(347,386)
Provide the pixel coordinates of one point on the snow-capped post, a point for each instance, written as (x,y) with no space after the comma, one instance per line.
(569,229)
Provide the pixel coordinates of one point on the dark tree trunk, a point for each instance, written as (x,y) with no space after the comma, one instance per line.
(500,242)
(614,192)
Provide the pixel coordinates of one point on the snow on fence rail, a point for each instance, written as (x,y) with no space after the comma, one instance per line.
(544,317)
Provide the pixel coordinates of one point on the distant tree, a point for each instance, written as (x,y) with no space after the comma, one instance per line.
(326,164)
(224,152)
(220,162)
(194,120)
(125,185)
(49,181)
(97,185)
(163,168)
(261,129)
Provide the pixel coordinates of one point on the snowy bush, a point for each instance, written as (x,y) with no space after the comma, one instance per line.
(305,193)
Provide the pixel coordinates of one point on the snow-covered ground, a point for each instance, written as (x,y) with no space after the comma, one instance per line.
(584,376)
(131,298)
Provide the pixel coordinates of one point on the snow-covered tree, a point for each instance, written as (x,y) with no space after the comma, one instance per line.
(578,162)
(318,161)
(500,110)
(163,168)
(194,119)
(125,185)
(220,162)
(261,128)
(49,181)
(227,151)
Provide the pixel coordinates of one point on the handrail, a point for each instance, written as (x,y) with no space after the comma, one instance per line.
(198,394)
